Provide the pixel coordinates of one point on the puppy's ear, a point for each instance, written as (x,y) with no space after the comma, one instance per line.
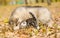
(10,22)
(13,21)
(16,21)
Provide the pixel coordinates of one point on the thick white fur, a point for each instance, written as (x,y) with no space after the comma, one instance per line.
(42,14)
(45,16)
(21,13)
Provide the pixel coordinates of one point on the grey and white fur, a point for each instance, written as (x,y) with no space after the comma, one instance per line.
(21,15)
(31,21)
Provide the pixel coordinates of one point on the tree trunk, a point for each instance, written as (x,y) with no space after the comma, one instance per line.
(49,2)
(42,1)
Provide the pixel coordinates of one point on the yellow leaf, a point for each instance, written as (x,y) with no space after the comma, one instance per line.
(30,33)
(44,30)
(35,31)
(55,25)
(49,29)
(5,20)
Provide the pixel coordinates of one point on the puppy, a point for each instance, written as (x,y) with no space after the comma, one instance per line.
(19,14)
(22,15)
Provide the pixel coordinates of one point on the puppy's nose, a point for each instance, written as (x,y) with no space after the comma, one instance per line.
(38,27)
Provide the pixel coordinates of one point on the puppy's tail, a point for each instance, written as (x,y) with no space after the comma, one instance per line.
(32,15)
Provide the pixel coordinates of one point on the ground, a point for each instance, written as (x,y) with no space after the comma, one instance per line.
(7,32)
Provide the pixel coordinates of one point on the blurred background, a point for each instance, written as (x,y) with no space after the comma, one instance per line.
(26,2)
(7,6)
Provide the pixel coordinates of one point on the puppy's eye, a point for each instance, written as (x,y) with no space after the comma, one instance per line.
(24,22)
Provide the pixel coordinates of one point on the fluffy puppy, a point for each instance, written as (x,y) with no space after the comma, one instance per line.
(17,16)
(20,14)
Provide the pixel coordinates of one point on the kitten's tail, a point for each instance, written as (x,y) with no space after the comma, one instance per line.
(32,15)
